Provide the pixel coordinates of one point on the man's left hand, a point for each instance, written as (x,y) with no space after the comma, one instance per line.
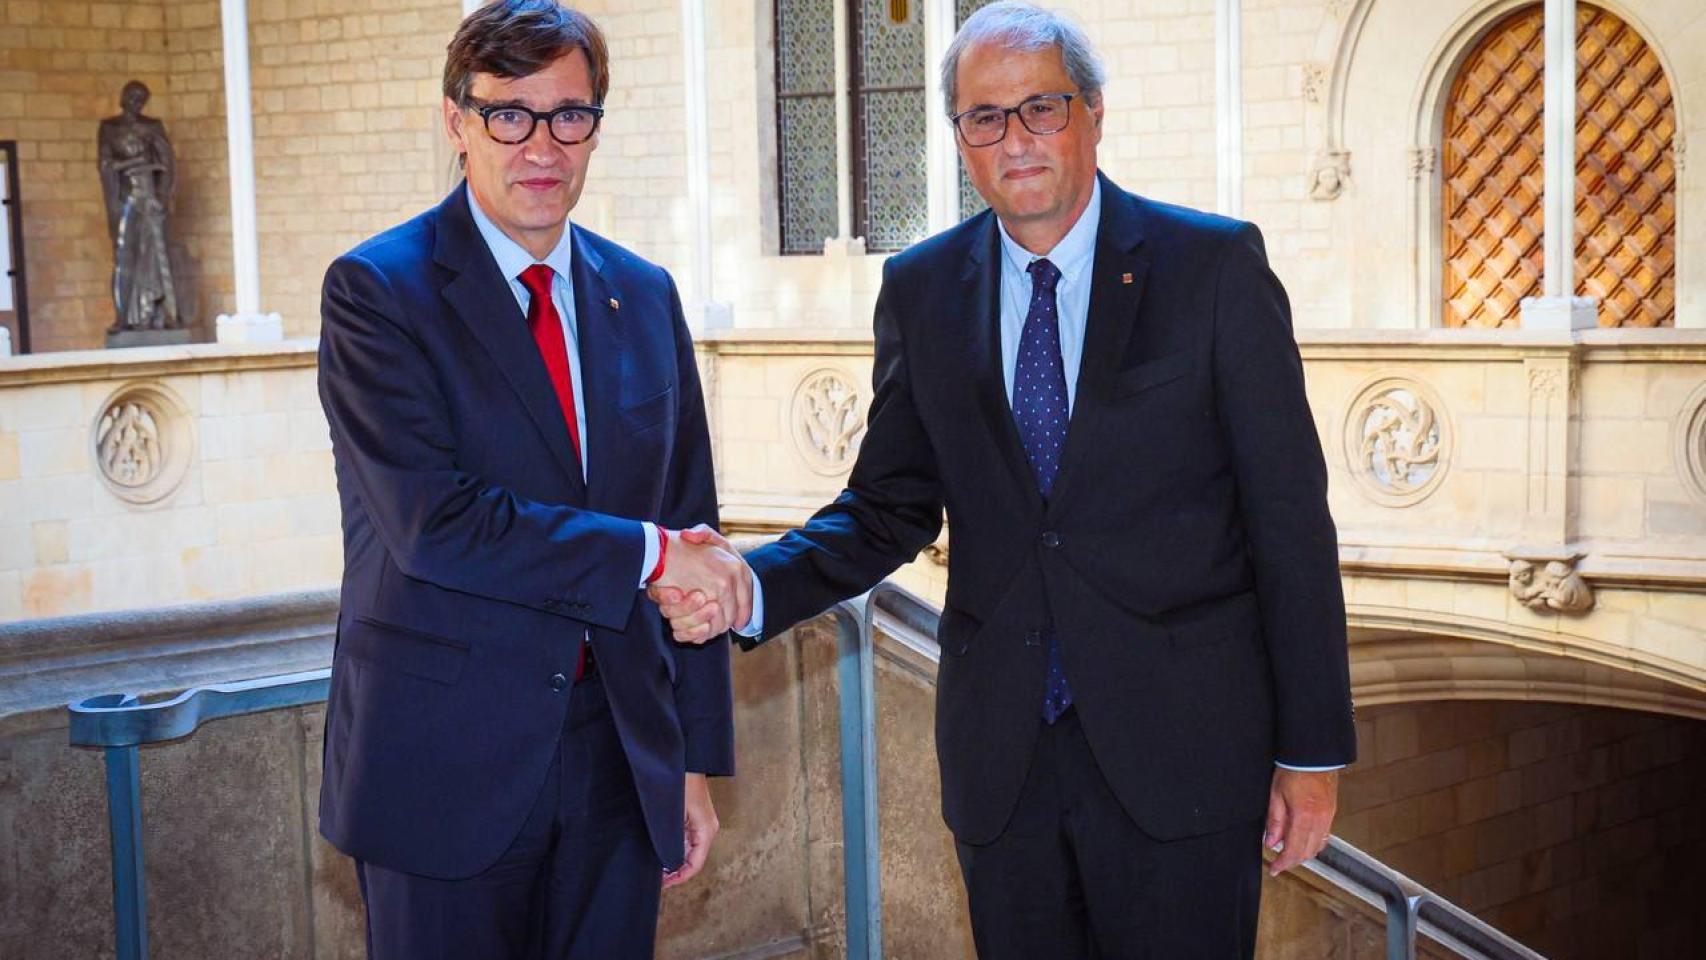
(700,829)
(1301,805)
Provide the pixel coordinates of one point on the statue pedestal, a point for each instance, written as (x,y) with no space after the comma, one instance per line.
(148,338)
(249,328)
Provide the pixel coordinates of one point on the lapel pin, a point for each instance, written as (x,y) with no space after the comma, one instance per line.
(1125,278)
(615,304)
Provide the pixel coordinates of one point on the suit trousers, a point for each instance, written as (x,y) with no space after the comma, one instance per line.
(580,881)
(1072,876)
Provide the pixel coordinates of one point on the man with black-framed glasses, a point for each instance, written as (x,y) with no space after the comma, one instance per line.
(1143,674)
(515,754)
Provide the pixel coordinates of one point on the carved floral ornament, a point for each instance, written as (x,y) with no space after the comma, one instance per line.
(1397,441)
(141,443)
(828,420)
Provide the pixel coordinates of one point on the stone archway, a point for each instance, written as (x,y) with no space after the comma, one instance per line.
(1553,797)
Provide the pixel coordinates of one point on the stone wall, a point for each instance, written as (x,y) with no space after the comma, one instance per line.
(254,510)
(348,133)
(348,142)
(235,865)
(1573,829)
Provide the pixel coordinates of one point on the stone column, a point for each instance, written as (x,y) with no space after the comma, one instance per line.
(942,176)
(248,324)
(1229,108)
(843,243)
(1558,308)
(5,341)
(704,312)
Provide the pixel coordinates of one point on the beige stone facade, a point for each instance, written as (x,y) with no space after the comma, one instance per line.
(1522,514)
(253,509)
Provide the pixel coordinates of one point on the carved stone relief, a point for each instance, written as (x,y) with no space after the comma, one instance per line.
(828,419)
(1691,444)
(141,440)
(1329,173)
(1550,583)
(1397,441)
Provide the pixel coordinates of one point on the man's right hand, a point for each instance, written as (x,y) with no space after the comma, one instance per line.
(705,590)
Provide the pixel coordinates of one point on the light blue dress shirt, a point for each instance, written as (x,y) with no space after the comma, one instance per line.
(1073,256)
(513,259)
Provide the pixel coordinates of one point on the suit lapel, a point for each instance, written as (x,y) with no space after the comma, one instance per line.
(481,299)
(603,354)
(981,290)
(1117,277)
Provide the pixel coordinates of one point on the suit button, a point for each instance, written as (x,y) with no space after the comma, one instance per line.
(1051,539)
(558,681)
(1034,638)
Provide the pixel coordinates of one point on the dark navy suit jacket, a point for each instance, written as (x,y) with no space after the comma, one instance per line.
(1186,558)
(476,556)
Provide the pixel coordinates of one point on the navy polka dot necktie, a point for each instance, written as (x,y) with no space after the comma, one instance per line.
(1040,412)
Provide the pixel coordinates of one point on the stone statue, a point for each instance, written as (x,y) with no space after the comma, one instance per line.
(138,175)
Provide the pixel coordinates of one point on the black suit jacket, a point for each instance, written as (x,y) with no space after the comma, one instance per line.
(476,557)
(1186,558)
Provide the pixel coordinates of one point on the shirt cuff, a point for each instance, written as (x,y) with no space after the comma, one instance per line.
(1287,766)
(650,560)
(755,626)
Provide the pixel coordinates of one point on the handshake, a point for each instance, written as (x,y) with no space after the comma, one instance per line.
(705,589)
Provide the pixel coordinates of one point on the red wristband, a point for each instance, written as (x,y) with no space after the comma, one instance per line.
(663,551)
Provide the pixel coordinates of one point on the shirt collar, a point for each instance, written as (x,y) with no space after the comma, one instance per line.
(1074,251)
(512,257)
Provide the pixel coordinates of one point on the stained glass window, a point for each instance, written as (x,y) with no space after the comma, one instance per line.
(805,123)
(889,205)
(970,202)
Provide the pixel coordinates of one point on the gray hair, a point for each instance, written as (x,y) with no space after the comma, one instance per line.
(1018,25)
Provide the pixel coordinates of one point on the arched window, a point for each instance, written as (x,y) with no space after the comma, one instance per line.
(1492,162)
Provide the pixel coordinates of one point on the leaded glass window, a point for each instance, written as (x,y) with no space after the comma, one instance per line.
(970,202)
(889,113)
(805,123)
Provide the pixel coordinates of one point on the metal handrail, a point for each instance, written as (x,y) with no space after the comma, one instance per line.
(120,724)
(1410,908)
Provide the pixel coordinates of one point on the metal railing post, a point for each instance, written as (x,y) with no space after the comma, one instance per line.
(124,822)
(856,692)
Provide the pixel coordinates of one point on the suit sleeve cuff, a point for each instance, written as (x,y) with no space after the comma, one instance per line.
(755,626)
(650,561)
(710,746)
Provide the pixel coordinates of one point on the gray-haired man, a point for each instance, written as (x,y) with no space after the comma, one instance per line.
(1144,613)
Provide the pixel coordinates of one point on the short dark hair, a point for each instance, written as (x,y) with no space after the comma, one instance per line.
(518,38)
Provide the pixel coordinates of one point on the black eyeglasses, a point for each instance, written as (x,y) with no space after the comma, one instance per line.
(512,123)
(1042,115)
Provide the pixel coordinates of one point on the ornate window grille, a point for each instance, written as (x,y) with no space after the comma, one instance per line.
(1625,175)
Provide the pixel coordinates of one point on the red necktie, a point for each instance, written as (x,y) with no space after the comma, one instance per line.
(547,329)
